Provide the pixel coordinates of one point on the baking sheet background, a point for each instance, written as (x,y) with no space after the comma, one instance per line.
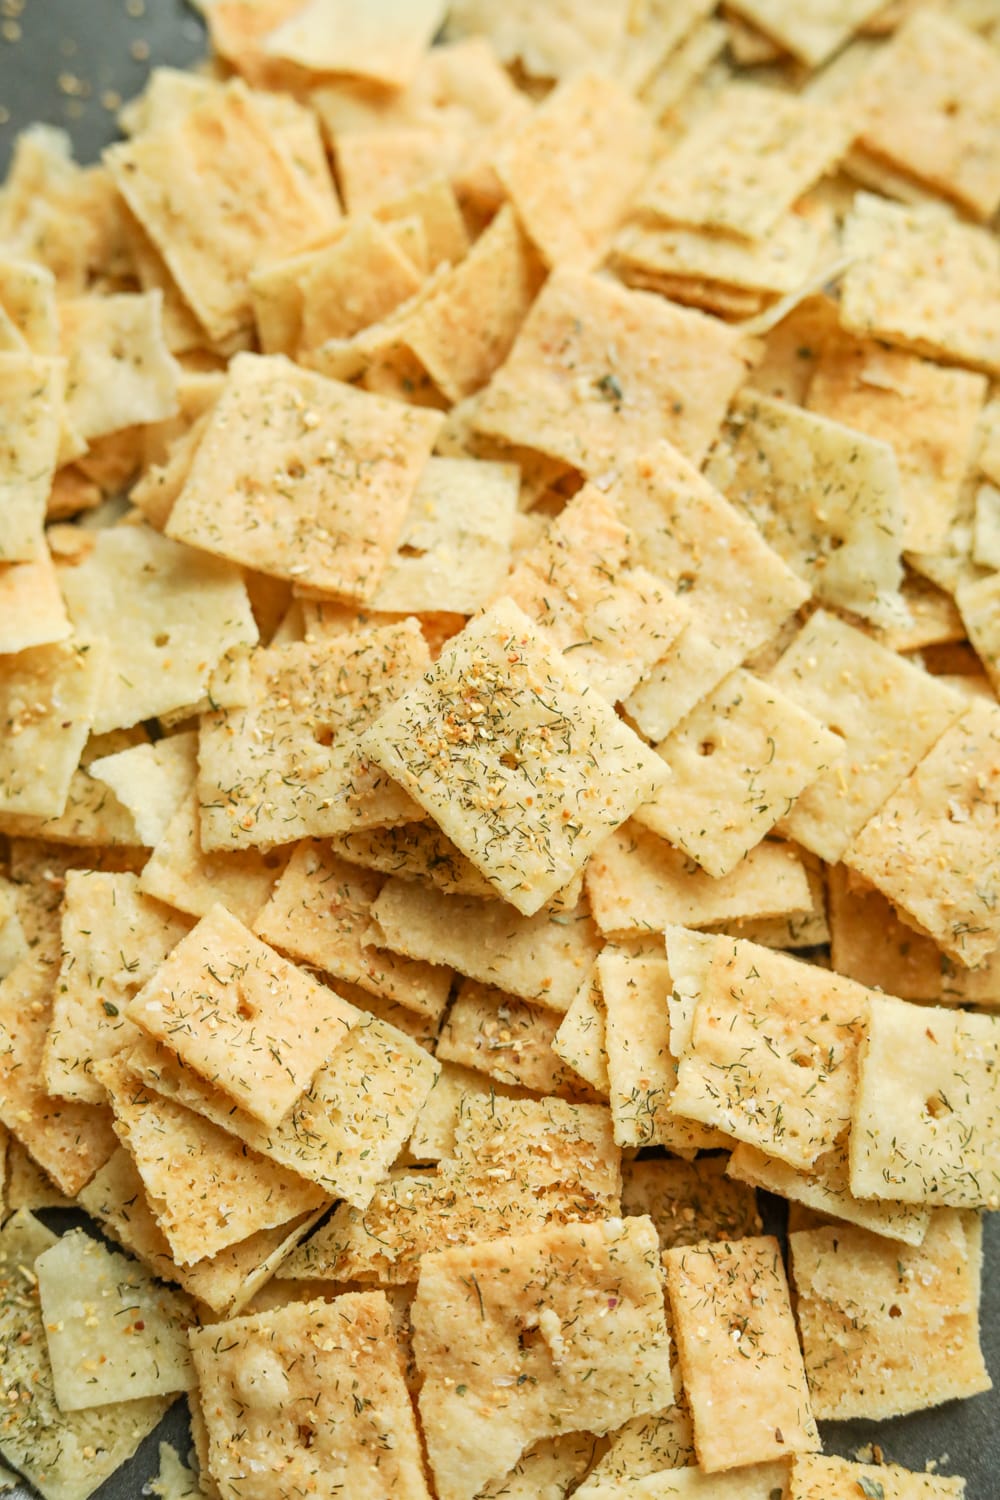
(95,42)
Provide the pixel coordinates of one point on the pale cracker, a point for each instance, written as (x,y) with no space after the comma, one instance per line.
(550,43)
(92,816)
(65,1455)
(167,613)
(13,944)
(792,347)
(820,1478)
(508,1040)
(663,1440)
(924,1121)
(32,612)
(413,851)
(812,31)
(434,1133)
(977,603)
(875,1317)
(637,882)
(119,371)
(541,958)
(546,1468)
(598,371)
(986,541)
(475,743)
(31,416)
(184,875)
(113,940)
(292,763)
(208,1191)
(320,912)
(151,781)
(684,69)
(175,1481)
(249,1022)
(655,34)
(551,1306)
(27,1185)
(380,164)
(384,42)
(773,1055)
(580,1039)
(357,280)
(690,1201)
(943,810)
(28,303)
(112,1333)
(895,288)
(293,504)
(752,1482)
(764,751)
(888,712)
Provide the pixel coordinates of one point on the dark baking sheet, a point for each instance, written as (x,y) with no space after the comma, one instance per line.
(62,62)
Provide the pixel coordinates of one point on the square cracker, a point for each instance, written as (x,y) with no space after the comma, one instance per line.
(119,372)
(925,1117)
(249,1022)
(507,1040)
(303,477)
(887,712)
(773,1054)
(934,847)
(167,613)
(743,164)
(291,762)
(151,781)
(311,1396)
(572,167)
(498,743)
(598,371)
(739,1354)
(358,279)
(876,1316)
(930,105)
(815,1477)
(320,913)
(182,874)
(689,1201)
(32,611)
(825,496)
(31,420)
(217,191)
(207,1191)
(541,958)
(113,941)
(893,249)
(764,751)
(637,882)
(66,1455)
(112,1333)
(385,40)
(576,1309)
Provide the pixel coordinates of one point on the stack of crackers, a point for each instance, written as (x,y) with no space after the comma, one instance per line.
(500,761)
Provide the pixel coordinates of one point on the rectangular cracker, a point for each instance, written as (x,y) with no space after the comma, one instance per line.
(245,1019)
(821,1478)
(31,419)
(182,874)
(540,958)
(290,763)
(923,1128)
(551,1306)
(581,1039)
(689,1201)
(48,698)
(119,372)
(385,42)
(888,712)
(508,1040)
(498,743)
(875,1315)
(358,279)
(739,1354)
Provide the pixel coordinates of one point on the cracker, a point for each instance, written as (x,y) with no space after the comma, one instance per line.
(541,958)
(617,621)
(314,1393)
(27,1185)
(454,549)
(13,944)
(928,415)
(764,751)
(113,941)
(413,851)
(742,165)
(816,1478)
(31,417)
(888,712)
(32,612)
(112,1333)
(28,305)
(378,165)
(684,68)
(581,1039)
(869,943)
(489,715)
(545,1468)
(175,1481)
(977,603)
(291,763)
(65,1455)
(184,875)
(207,1191)
(986,542)
(943,810)
(249,1022)
(343,1132)
(151,781)
(895,289)
(753,1482)
(827,498)
(385,42)
(507,1039)
(180,181)
(550,43)
(572,168)
(924,1121)
(119,371)
(357,280)
(581,383)
(643,1446)
(550,1306)
(642,1067)
(167,613)
(69,1140)
(937,83)
(434,1133)
(875,1315)
(636,882)
(320,912)
(813,31)
(293,504)
(773,1054)
(740,1361)
(92,816)
(690,1201)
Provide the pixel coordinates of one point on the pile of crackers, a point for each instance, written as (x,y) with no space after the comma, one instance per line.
(500,760)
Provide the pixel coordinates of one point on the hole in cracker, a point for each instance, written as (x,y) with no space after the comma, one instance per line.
(407,551)
(686,582)
(163,639)
(510,760)
(835,543)
(836,729)
(895,1311)
(937,1107)
(529,1338)
(307,1435)
(323,735)
(707,747)
(296,469)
